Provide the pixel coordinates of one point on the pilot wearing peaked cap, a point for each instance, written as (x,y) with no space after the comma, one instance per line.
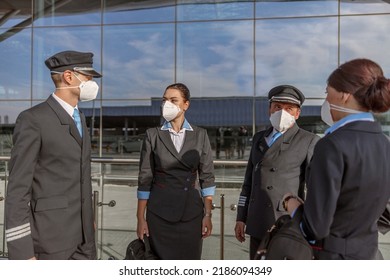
(72,60)
(278,160)
(49,214)
(286,94)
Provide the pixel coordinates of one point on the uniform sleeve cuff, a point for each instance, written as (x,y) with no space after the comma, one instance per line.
(143,195)
(209,191)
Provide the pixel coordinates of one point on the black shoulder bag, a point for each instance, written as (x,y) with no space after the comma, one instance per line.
(140,250)
(285,241)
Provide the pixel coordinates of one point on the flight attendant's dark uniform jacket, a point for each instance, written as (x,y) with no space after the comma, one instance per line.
(48,204)
(349,187)
(272,172)
(175,180)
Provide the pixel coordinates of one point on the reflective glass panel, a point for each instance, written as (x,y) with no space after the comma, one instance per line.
(216,58)
(365,36)
(15,53)
(119,126)
(48,41)
(138,60)
(67,12)
(9,111)
(218,9)
(122,11)
(119,194)
(15,13)
(224,223)
(370,43)
(300,52)
(364,7)
(276,8)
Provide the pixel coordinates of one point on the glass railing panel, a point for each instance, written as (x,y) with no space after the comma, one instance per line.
(116,184)
(116,202)
(3,190)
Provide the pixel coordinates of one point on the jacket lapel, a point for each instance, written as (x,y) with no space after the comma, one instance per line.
(189,142)
(281,144)
(84,126)
(263,146)
(288,136)
(64,118)
(85,138)
(167,141)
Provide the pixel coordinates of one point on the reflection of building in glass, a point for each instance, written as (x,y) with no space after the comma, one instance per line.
(205,112)
(123,124)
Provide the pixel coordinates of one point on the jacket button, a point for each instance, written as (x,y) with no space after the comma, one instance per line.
(270,187)
(273,169)
(186,189)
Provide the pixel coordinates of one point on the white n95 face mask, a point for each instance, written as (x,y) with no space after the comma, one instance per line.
(169,110)
(281,120)
(326,115)
(88,89)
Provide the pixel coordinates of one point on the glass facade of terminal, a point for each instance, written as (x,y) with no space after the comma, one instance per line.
(225,51)
(229,53)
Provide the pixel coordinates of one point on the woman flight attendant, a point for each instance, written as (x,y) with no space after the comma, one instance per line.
(348,184)
(176,182)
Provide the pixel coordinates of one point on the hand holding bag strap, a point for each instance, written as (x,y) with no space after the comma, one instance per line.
(149,254)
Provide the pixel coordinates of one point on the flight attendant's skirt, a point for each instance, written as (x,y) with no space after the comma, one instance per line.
(175,241)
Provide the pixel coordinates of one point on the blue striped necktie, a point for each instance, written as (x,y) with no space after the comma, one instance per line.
(274,138)
(77,120)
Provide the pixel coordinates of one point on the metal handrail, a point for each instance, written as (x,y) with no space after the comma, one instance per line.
(133,160)
(222,225)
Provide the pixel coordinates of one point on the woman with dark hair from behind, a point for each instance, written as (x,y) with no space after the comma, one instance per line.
(349,176)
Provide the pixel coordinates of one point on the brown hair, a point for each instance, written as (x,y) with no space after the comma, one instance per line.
(185,92)
(364,79)
(56,77)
